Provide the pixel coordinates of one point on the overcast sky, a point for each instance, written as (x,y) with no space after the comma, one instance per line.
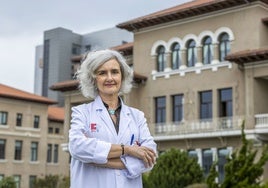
(22,24)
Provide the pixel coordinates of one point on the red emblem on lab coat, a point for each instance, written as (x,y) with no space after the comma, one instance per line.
(93,127)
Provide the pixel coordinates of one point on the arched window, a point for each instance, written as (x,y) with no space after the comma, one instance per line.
(224,46)
(191,54)
(160,58)
(207,50)
(175,56)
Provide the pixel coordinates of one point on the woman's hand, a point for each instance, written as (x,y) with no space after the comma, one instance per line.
(144,153)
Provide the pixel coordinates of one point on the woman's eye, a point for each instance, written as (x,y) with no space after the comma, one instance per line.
(115,71)
(101,73)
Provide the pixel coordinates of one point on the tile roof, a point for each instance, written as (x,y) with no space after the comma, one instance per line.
(68,85)
(56,113)
(126,48)
(186,10)
(13,93)
(247,56)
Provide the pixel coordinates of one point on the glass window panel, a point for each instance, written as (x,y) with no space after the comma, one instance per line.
(49,153)
(226,102)
(207,161)
(193,154)
(17,180)
(207,50)
(34,151)
(50,130)
(177,107)
(57,130)
(32,179)
(206,105)
(224,46)
(19,119)
(160,106)
(175,56)
(56,153)
(18,150)
(2,148)
(222,160)
(36,121)
(3,118)
(191,54)
(160,59)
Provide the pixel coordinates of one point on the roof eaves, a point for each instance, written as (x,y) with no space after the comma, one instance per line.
(248,56)
(28,99)
(187,10)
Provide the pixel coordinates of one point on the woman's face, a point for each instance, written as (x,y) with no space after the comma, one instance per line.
(108,78)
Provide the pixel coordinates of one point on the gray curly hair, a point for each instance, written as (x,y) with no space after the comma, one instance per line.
(91,62)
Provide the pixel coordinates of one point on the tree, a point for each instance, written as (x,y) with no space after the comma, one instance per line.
(175,169)
(242,168)
(52,181)
(213,174)
(8,182)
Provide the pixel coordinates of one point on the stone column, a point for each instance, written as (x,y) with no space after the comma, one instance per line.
(215,54)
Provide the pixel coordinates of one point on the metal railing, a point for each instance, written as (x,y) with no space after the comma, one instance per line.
(197,126)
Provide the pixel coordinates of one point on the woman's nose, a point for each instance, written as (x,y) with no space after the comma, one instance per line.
(109,75)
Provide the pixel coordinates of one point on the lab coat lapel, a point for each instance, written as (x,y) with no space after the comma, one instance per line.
(124,123)
(104,116)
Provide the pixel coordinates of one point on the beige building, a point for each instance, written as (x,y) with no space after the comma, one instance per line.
(31,137)
(205,70)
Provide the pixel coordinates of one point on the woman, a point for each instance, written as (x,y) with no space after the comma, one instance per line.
(109,142)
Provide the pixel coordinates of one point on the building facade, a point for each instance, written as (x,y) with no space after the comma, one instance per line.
(205,64)
(31,137)
(38,70)
(60,45)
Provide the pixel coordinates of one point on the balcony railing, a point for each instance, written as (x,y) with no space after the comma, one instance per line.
(261,120)
(198,126)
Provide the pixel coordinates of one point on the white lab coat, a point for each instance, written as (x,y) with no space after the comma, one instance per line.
(90,137)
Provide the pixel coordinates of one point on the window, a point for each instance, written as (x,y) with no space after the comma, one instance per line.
(160,109)
(50,130)
(3,118)
(57,130)
(34,151)
(2,148)
(177,105)
(205,105)
(224,46)
(207,50)
(87,48)
(76,49)
(32,180)
(19,120)
(207,160)
(222,160)
(175,56)
(191,53)
(56,153)
(193,154)
(226,102)
(1,176)
(36,121)
(160,58)
(18,150)
(17,180)
(49,153)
